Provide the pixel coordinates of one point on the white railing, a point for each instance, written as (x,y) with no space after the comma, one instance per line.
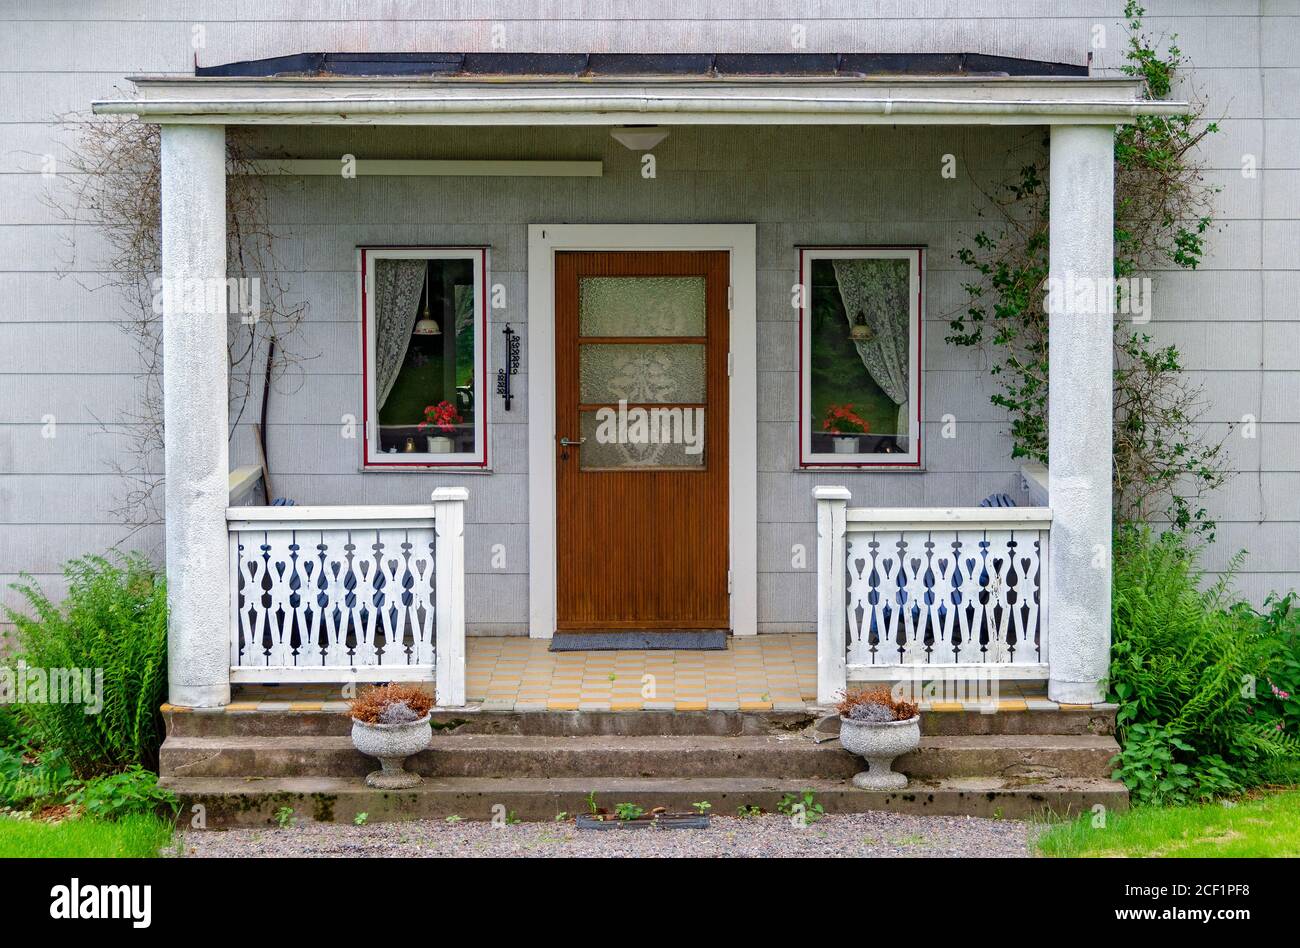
(332,594)
(944,588)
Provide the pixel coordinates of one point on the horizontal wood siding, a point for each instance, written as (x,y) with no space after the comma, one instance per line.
(62,356)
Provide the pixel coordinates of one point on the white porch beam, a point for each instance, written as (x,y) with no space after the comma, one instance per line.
(195,385)
(1080,305)
(888,101)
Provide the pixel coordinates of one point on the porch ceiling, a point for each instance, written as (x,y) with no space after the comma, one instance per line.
(666,100)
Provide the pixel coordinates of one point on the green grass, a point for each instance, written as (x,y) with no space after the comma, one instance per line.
(133,837)
(1260,826)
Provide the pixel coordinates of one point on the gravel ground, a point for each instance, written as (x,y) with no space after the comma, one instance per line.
(859,835)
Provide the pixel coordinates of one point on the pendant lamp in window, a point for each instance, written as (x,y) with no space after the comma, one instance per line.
(426,325)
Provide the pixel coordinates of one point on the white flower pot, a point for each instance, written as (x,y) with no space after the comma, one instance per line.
(845,444)
(879,743)
(440,445)
(392,744)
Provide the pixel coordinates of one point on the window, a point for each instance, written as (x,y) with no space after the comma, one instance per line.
(424,322)
(860,357)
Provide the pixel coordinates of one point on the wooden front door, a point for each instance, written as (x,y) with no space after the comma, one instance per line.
(641,395)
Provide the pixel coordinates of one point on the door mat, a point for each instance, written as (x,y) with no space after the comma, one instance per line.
(709,640)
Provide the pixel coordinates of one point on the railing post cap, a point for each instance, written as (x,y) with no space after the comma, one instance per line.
(832,493)
(450,493)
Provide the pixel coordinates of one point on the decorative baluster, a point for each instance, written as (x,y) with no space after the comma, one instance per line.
(942,616)
(1027,600)
(370,594)
(278,615)
(392,569)
(888,610)
(1011,591)
(858,589)
(912,556)
(999,613)
(241,649)
(423,597)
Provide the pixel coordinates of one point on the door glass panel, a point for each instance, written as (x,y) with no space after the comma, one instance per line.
(641,306)
(633,373)
(629,438)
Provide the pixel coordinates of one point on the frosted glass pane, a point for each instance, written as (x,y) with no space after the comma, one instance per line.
(641,373)
(641,306)
(625,441)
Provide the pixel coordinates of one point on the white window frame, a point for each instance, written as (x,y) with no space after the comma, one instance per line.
(913,460)
(372,457)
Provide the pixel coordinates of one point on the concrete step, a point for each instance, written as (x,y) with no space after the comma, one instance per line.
(632,723)
(791,755)
(234,801)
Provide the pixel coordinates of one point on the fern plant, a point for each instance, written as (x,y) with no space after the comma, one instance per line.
(113,620)
(1187,664)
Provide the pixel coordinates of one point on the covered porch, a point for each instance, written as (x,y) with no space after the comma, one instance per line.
(1034,610)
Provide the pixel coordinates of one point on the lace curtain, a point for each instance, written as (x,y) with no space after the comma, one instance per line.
(879,289)
(398,284)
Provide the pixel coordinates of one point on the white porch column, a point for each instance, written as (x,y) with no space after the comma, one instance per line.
(449,595)
(1080,305)
(832,669)
(195,386)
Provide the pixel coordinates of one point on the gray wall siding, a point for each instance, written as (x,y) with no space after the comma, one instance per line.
(818,186)
(62,355)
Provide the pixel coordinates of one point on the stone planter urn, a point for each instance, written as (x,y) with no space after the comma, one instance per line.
(879,743)
(392,744)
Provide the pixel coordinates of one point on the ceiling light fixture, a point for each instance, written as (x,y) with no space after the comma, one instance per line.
(639,137)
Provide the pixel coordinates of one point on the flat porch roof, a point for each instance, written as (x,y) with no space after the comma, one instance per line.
(617,89)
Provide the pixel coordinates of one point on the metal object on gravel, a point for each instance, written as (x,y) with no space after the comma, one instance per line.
(659,821)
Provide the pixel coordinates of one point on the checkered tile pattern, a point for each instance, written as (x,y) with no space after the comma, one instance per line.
(755,673)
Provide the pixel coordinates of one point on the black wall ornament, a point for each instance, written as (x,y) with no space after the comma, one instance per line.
(512,365)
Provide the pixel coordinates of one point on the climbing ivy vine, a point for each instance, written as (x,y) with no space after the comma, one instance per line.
(1164,462)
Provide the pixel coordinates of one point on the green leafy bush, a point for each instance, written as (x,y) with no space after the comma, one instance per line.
(1279,693)
(28,781)
(1187,665)
(131,792)
(115,620)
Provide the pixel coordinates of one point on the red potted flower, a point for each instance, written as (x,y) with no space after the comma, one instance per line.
(444,416)
(844,424)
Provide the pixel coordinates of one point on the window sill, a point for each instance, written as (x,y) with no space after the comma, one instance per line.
(417,468)
(858,467)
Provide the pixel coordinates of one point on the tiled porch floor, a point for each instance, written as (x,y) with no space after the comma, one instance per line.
(757,673)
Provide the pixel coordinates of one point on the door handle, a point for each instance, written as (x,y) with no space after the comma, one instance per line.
(565,444)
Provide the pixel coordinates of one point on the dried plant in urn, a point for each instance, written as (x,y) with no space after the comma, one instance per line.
(878,727)
(391,723)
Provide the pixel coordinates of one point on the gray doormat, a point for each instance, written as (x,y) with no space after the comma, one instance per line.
(709,640)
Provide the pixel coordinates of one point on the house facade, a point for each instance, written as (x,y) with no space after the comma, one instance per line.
(628,341)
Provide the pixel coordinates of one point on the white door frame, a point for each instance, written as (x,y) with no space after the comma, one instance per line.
(544,240)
